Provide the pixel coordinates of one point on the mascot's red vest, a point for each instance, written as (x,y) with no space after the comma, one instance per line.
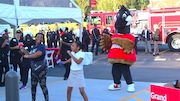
(122,49)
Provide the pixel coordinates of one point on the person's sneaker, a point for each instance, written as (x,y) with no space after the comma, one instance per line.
(131,88)
(23,87)
(113,87)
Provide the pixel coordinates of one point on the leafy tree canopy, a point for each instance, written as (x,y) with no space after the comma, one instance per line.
(111,5)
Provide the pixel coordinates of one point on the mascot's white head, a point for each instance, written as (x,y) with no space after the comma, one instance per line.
(123,20)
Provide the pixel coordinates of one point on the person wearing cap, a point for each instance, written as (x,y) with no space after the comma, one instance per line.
(15,53)
(4,44)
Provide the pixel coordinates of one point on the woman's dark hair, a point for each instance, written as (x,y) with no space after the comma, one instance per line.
(84,28)
(80,44)
(38,34)
(60,30)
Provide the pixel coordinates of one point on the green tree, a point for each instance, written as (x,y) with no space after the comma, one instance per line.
(109,5)
(137,4)
(84,5)
(144,3)
(131,4)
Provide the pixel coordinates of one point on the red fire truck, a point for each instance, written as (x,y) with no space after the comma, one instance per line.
(103,20)
(168,21)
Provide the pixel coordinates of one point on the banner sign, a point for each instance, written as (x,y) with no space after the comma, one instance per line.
(161,93)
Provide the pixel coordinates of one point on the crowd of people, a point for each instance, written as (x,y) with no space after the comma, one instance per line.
(147,36)
(24,51)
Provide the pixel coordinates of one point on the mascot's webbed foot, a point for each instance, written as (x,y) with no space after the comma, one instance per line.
(106,42)
(113,87)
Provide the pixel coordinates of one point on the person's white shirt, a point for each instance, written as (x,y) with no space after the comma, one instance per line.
(77,33)
(74,65)
(145,33)
(134,31)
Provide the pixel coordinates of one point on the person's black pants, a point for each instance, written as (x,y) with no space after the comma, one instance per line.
(67,67)
(118,70)
(21,71)
(86,43)
(95,42)
(24,76)
(49,43)
(55,43)
(135,46)
(15,67)
(86,47)
(2,72)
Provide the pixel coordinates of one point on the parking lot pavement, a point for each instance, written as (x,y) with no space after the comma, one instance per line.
(96,90)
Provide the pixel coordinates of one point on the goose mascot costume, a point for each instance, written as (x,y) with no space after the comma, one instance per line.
(121,52)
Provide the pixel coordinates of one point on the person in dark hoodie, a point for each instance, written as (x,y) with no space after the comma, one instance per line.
(85,38)
(25,62)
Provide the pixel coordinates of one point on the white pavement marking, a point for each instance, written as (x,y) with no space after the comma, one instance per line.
(158,58)
(178,59)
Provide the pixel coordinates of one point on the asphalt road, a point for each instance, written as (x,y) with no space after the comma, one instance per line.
(148,68)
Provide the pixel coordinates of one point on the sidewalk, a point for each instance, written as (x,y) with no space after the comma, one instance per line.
(96,90)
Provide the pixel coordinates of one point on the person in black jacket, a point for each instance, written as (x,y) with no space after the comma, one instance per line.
(66,41)
(25,62)
(4,44)
(95,39)
(54,38)
(49,36)
(85,38)
(15,53)
(147,38)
